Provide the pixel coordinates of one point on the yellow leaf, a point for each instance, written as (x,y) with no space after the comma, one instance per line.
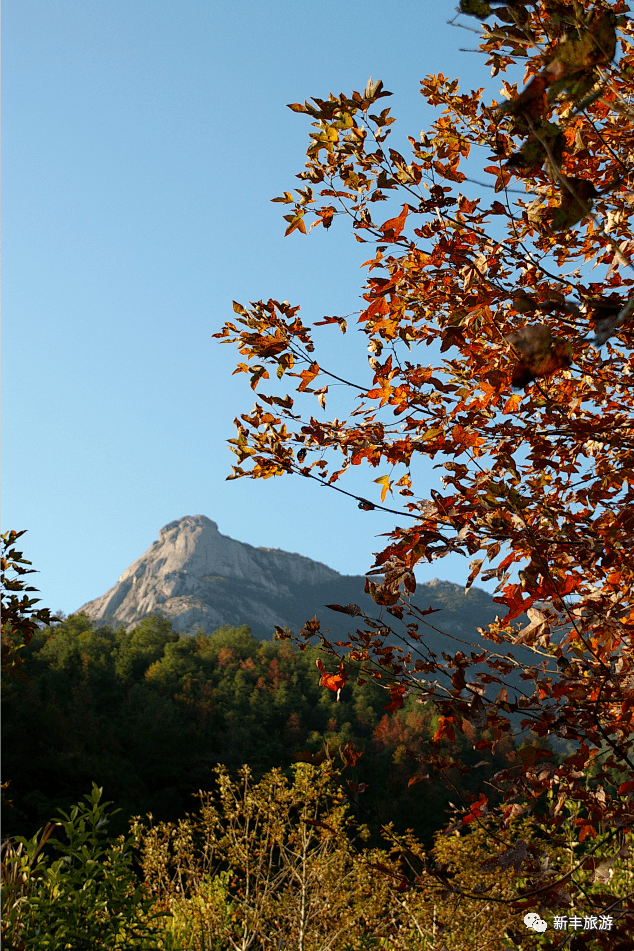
(387,486)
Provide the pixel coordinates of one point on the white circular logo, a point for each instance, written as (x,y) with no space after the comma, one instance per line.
(532,920)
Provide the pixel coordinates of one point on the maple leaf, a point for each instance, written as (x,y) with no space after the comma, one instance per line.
(394,226)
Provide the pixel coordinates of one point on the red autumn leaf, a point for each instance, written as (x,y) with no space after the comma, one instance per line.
(476,810)
(445,730)
(396,698)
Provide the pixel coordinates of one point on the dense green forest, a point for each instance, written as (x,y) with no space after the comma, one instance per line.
(148,715)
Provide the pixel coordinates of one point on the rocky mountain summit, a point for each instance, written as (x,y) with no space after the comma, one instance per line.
(197,578)
(185,574)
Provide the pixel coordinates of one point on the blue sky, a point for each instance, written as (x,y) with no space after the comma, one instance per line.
(143,142)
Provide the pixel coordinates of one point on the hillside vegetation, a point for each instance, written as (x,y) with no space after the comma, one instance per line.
(149,714)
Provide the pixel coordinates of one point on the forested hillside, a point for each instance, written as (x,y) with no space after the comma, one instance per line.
(149,714)
(499,250)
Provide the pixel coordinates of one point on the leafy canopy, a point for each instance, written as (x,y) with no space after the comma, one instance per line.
(523,283)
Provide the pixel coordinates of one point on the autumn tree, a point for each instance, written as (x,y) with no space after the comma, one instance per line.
(511,260)
(266,865)
(19,618)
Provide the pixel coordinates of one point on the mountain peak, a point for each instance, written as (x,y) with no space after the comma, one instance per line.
(199,578)
(185,573)
(188,521)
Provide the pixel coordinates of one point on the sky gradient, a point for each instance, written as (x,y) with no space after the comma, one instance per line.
(143,142)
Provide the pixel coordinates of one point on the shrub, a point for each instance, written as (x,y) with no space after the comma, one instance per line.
(86,900)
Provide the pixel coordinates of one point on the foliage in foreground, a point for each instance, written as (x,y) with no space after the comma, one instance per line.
(281,864)
(20,619)
(527,409)
(86,899)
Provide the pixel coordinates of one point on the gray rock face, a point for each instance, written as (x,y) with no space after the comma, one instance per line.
(197,577)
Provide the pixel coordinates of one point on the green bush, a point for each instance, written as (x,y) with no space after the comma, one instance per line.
(88,899)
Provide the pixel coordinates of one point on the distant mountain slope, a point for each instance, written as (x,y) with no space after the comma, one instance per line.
(199,578)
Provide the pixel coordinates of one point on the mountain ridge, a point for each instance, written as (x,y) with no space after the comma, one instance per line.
(197,578)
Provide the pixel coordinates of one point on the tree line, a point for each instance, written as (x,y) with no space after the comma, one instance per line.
(148,714)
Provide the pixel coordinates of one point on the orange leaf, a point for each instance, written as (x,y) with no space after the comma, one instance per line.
(395,225)
(445,729)
(297,222)
(335,681)
(512,404)
(307,376)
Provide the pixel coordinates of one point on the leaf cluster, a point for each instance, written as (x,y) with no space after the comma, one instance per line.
(87,898)
(19,618)
(506,254)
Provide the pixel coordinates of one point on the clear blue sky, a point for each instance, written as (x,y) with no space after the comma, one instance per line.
(143,141)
